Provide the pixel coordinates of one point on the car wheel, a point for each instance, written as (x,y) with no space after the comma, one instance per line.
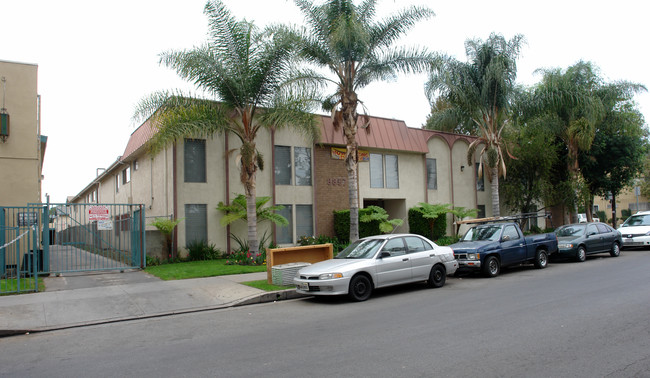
(360,288)
(581,255)
(437,276)
(541,259)
(492,267)
(616,250)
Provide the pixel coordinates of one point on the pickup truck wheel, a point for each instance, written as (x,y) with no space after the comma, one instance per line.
(437,276)
(541,259)
(360,288)
(581,255)
(492,267)
(616,250)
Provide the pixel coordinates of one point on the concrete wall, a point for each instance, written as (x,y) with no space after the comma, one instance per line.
(20,155)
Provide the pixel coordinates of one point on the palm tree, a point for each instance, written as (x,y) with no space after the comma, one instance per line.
(480,92)
(345,39)
(246,70)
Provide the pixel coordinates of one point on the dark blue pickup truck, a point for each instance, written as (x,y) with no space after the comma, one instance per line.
(489,247)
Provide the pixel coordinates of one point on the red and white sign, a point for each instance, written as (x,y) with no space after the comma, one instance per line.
(98,213)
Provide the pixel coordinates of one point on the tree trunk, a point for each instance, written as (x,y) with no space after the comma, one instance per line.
(589,206)
(248,170)
(496,211)
(349,115)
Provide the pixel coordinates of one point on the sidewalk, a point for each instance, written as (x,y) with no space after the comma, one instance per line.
(66,308)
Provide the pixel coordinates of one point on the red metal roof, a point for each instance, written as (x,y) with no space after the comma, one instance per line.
(389,134)
(138,139)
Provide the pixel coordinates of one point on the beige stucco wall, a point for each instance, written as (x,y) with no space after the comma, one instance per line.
(20,154)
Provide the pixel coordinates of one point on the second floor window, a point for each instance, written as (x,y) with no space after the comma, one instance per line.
(432,174)
(480,183)
(384,171)
(194,160)
(283,168)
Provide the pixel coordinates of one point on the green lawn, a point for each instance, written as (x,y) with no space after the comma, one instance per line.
(198,269)
(10,285)
(264,285)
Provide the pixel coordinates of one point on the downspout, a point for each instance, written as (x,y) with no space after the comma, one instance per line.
(273,178)
(175,200)
(451,180)
(426,179)
(227,162)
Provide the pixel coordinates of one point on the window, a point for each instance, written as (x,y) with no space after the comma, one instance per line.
(126,175)
(480,183)
(302,157)
(135,165)
(304,220)
(415,244)
(284,235)
(432,174)
(395,247)
(194,160)
(377,171)
(591,229)
(510,233)
(196,223)
(283,165)
(117,182)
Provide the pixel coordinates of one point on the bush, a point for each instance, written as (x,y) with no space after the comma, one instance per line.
(420,225)
(201,250)
(337,246)
(342,225)
(448,240)
(244,257)
(153,260)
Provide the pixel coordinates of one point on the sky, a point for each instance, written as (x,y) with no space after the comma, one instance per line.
(96,60)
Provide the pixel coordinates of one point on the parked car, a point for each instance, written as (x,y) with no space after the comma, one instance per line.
(489,247)
(378,261)
(636,230)
(582,218)
(582,239)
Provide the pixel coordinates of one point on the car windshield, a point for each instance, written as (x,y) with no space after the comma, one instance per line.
(482,233)
(573,230)
(361,249)
(637,220)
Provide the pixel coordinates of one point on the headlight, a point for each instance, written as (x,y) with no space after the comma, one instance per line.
(565,245)
(471,256)
(329,276)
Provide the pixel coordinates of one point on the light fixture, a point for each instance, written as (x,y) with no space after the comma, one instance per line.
(462,168)
(4,116)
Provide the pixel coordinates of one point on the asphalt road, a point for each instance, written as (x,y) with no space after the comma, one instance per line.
(587,319)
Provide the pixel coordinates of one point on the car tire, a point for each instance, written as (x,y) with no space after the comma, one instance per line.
(360,288)
(616,250)
(437,276)
(581,255)
(541,259)
(492,267)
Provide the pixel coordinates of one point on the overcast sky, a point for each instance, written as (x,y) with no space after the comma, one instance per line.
(96,60)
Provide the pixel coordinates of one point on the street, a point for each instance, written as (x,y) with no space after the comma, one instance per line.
(588,319)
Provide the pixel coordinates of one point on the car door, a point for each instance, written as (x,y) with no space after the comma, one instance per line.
(394,267)
(593,239)
(608,234)
(513,246)
(422,257)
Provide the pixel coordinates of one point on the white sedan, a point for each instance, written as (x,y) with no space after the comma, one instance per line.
(378,261)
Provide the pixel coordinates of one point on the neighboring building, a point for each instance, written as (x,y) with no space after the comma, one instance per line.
(22,147)
(399,167)
(626,200)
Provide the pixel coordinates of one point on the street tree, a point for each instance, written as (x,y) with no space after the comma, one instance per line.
(246,70)
(358,49)
(480,92)
(617,153)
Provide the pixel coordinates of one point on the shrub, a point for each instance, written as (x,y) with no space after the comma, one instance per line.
(337,246)
(420,225)
(201,250)
(152,260)
(448,240)
(342,225)
(244,257)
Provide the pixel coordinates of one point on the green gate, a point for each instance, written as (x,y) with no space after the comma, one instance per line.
(69,238)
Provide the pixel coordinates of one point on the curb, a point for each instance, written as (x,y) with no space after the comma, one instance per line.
(266,297)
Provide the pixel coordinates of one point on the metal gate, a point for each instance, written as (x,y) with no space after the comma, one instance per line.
(70,238)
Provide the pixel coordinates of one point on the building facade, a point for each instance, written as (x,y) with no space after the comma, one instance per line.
(22,147)
(399,167)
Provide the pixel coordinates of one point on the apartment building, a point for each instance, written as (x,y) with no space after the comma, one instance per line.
(399,167)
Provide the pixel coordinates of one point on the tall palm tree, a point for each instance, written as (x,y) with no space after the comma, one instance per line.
(345,39)
(480,92)
(246,70)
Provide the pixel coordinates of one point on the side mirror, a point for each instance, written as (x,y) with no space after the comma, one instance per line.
(384,254)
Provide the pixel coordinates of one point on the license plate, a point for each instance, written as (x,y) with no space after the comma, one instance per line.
(304,286)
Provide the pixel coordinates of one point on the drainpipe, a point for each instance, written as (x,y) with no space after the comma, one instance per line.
(175,201)
(227,161)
